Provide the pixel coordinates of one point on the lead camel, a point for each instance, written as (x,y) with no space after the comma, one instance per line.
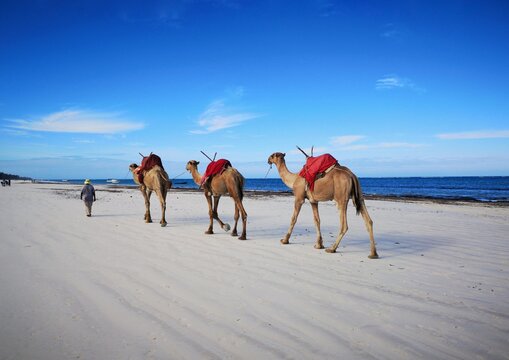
(339,184)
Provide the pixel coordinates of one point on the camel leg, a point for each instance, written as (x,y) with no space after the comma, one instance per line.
(145,200)
(146,196)
(224,226)
(243,213)
(369,226)
(296,210)
(162,200)
(211,216)
(344,226)
(316,217)
(236,218)
(214,212)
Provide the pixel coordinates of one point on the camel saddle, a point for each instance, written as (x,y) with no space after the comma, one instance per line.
(316,167)
(214,168)
(148,163)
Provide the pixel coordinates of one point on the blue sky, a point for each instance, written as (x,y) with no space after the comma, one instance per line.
(390,88)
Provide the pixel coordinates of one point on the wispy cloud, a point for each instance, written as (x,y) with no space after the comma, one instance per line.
(391,31)
(217,116)
(327,8)
(383,145)
(391,82)
(350,142)
(162,13)
(470,135)
(394,145)
(236,92)
(167,13)
(15,132)
(345,139)
(77,121)
(83,141)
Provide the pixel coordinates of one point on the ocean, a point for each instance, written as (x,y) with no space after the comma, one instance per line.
(485,188)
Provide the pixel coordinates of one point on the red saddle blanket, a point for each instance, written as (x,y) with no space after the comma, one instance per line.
(316,165)
(148,163)
(214,168)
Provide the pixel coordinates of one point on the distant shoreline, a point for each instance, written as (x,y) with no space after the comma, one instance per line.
(403,198)
(267,193)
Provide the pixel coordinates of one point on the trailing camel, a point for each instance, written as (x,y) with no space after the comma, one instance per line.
(152,178)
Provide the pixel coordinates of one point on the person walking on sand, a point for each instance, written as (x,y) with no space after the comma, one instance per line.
(88,196)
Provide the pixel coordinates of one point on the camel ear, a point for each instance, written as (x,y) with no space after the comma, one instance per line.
(197,163)
(284,154)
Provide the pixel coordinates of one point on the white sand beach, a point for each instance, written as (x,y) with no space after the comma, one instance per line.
(113,287)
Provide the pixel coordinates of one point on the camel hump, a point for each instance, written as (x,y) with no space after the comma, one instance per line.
(317,166)
(150,161)
(214,168)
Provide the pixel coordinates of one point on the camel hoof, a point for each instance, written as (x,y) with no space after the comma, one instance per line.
(330,251)
(208,232)
(226,227)
(318,246)
(242,237)
(284,242)
(235,233)
(163,224)
(373,256)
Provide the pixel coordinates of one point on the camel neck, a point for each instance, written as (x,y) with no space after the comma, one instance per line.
(196,175)
(135,179)
(286,175)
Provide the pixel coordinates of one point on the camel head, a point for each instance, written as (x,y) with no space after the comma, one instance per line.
(192,164)
(276,158)
(132,167)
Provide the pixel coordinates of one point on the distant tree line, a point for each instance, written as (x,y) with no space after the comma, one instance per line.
(12,177)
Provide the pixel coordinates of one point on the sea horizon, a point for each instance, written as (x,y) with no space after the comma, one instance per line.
(476,188)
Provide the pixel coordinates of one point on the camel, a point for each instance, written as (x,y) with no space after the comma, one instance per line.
(340,184)
(155,179)
(231,182)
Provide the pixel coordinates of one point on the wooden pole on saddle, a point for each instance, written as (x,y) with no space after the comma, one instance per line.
(302,151)
(208,157)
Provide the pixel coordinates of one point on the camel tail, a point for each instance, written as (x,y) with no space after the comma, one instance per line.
(240,184)
(164,181)
(356,194)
